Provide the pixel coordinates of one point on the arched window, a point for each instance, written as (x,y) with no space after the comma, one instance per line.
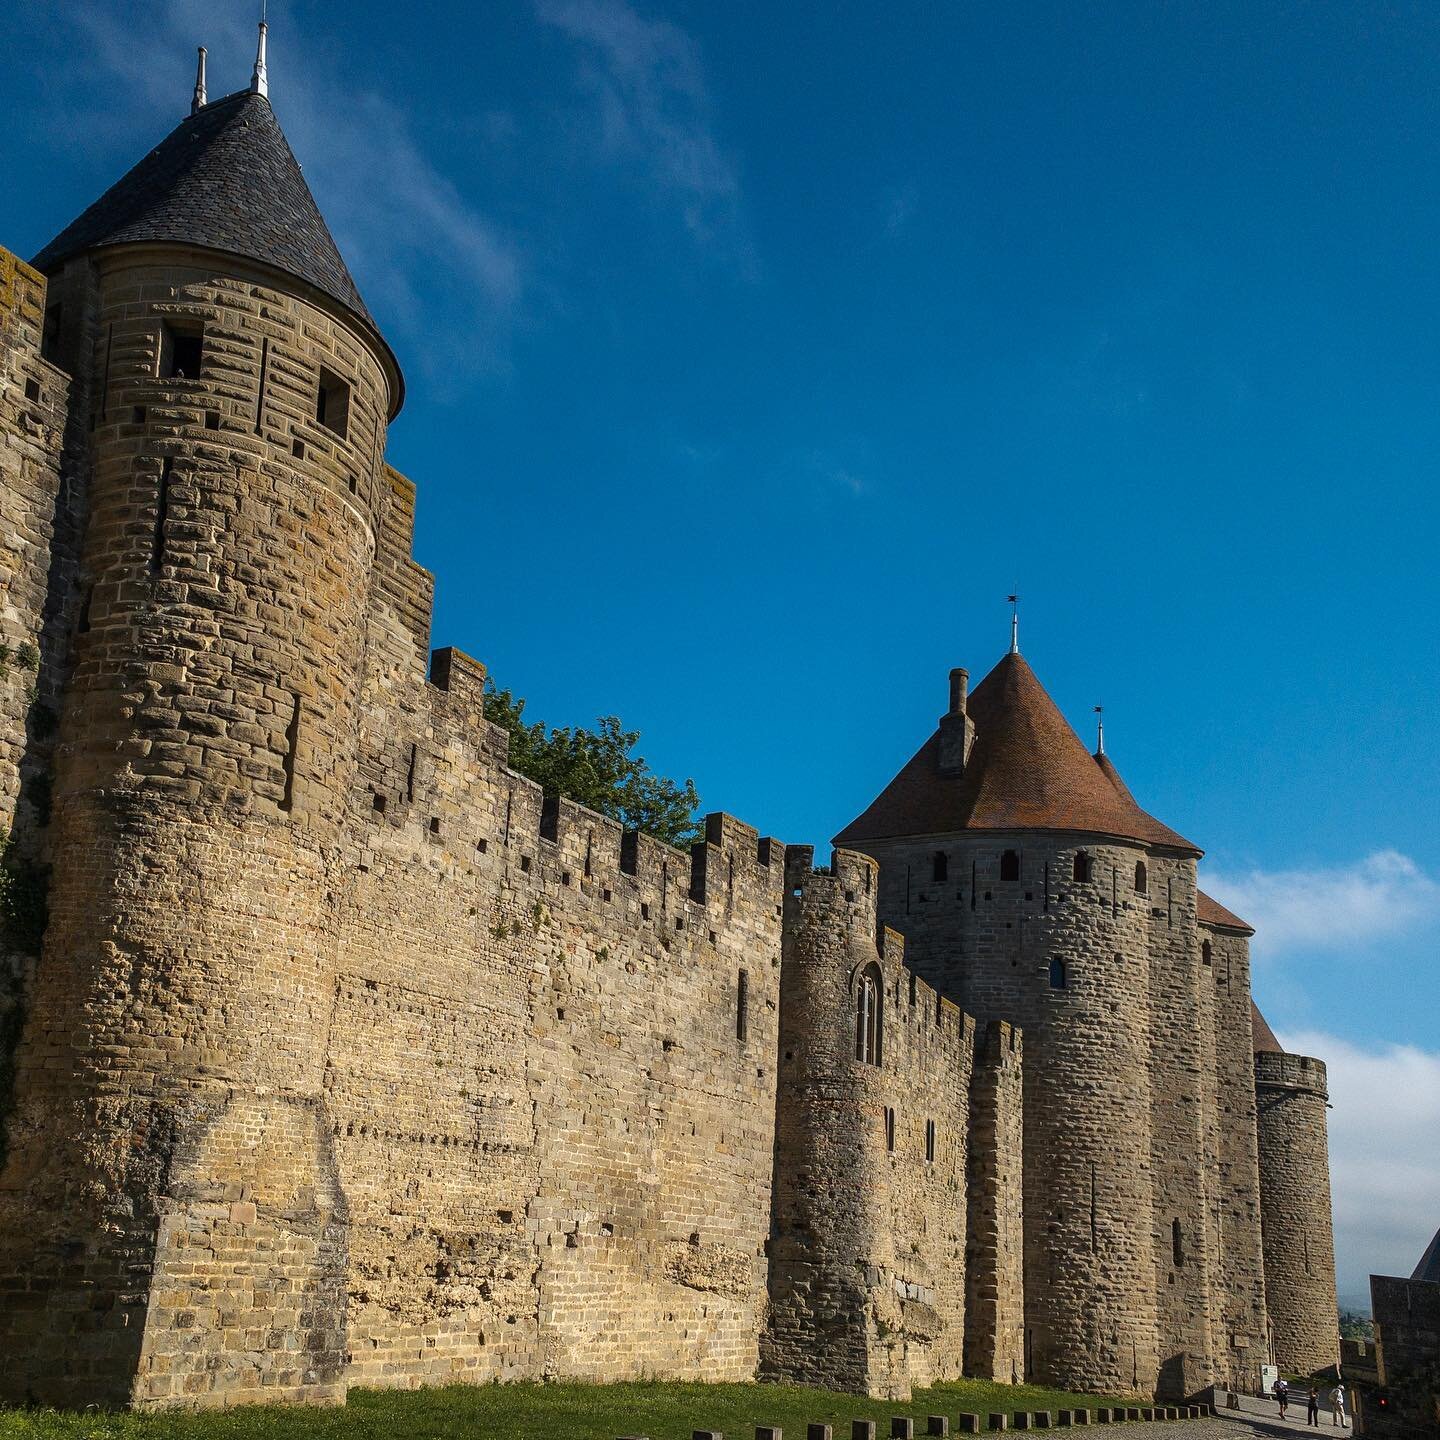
(1177,1244)
(1058,977)
(1207,955)
(1010,865)
(941,869)
(1083,867)
(868,1002)
(1142,878)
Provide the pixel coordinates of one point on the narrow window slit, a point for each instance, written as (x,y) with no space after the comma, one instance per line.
(162,510)
(742,1006)
(260,388)
(292,736)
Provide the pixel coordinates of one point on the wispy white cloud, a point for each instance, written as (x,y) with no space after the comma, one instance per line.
(418,247)
(1384,1164)
(1330,907)
(647,86)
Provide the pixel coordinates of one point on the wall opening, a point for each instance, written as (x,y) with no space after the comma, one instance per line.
(1010,865)
(929,1142)
(332,403)
(1142,878)
(1059,977)
(869,998)
(162,512)
(292,737)
(182,348)
(1207,954)
(50,334)
(742,1006)
(940,866)
(260,388)
(890,1128)
(1084,868)
(1177,1244)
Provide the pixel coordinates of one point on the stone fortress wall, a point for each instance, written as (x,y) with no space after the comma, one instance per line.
(350,1059)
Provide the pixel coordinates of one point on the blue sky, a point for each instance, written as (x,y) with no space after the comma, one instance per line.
(757,351)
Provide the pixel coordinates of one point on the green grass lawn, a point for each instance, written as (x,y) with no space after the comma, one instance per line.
(544,1412)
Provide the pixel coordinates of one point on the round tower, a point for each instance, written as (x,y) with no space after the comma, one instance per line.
(170,1080)
(1295,1217)
(830,1271)
(1031,888)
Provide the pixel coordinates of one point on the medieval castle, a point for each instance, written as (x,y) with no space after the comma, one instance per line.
(343,1056)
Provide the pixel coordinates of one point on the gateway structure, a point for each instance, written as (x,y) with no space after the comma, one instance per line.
(336,1053)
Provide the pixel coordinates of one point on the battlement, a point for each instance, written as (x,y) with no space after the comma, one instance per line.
(1275,1070)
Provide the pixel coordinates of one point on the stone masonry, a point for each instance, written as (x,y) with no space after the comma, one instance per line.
(349,1057)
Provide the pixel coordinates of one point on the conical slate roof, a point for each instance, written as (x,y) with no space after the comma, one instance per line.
(1429,1266)
(224,178)
(1263,1037)
(1028,770)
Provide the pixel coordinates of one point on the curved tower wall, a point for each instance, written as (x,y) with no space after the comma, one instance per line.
(1295,1211)
(867,1250)
(172,1069)
(1114,1091)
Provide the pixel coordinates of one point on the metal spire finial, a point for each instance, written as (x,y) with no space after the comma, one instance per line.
(1014,623)
(1099,729)
(259,81)
(197,102)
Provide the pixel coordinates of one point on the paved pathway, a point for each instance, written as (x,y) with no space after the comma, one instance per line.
(1254,1418)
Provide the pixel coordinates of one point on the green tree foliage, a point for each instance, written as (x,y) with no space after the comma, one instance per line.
(598,768)
(1356,1326)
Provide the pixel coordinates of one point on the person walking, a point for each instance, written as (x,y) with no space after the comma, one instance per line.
(1337,1406)
(1312,1416)
(1282,1394)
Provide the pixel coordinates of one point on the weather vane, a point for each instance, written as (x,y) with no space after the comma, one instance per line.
(1014,623)
(1099,729)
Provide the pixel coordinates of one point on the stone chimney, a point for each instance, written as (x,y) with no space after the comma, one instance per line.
(957,730)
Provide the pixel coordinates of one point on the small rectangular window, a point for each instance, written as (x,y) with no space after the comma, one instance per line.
(890,1128)
(929,1142)
(182,347)
(332,403)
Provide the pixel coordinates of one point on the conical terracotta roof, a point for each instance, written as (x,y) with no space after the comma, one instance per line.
(1209,911)
(1028,770)
(1262,1035)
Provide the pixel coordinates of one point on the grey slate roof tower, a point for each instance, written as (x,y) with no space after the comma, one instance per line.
(224,178)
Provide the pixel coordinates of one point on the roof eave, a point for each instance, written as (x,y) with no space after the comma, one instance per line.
(286,280)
